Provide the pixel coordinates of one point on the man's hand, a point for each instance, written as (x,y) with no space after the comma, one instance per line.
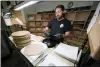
(46,29)
(47,34)
(59,35)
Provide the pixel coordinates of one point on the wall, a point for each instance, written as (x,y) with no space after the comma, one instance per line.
(50,5)
(28,10)
(47,6)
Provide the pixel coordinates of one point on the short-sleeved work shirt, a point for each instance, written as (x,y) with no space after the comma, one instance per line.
(62,26)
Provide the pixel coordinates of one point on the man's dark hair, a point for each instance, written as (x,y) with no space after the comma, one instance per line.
(60,6)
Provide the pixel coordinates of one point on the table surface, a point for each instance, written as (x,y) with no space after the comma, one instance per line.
(36,60)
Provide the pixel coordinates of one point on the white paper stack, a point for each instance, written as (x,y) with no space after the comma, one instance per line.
(67,51)
(55,60)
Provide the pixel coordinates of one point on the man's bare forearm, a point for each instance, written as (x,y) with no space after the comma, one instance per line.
(67,34)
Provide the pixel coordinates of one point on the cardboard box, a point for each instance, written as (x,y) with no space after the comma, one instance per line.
(38,29)
(38,24)
(45,17)
(51,16)
(31,24)
(44,24)
(38,17)
(32,30)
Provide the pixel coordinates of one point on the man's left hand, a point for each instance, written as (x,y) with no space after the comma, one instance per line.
(59,35)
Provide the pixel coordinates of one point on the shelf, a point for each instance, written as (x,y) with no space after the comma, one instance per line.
(70,15)
(38,24)
(38,17)
(31,26)
(45,17)
(35,32)
(32,29)
(38,32)
(79,20)
(81,15)
(38,29)
(78,29)
(38,20)
(78,23)
(51,16)
(81,37)
(44,24)
(71,12)
(74,32)
(74,42)
(83,11)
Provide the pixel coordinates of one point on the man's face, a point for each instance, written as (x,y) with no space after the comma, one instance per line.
(58,13)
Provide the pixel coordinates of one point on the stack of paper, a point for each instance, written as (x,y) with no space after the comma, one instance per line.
(55,60)
(67,51)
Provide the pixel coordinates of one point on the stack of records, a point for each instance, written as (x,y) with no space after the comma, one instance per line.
(21,38)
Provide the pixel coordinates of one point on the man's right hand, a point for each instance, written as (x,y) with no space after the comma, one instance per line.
(46,29)
(47,34)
